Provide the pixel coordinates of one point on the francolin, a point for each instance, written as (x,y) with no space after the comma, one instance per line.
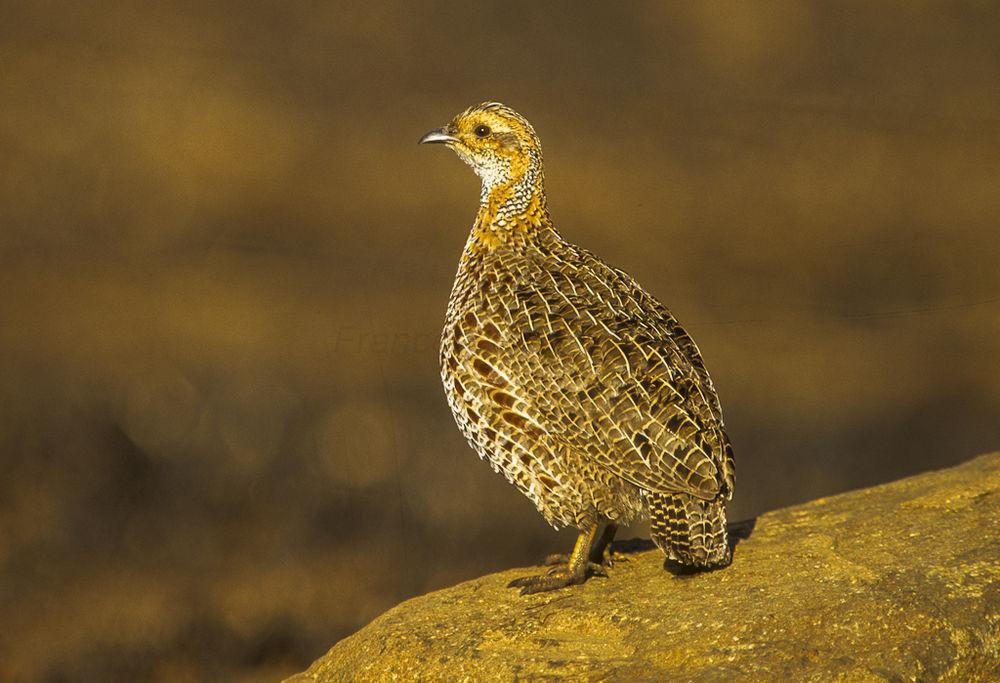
(571,379)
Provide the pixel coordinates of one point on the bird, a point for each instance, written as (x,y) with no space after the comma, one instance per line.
(570,379)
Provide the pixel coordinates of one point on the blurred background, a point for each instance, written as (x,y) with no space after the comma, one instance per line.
(224,265)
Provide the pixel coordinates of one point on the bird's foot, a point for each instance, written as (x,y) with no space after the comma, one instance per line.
(610,557)
(559,576)
(557,558)
(607,559)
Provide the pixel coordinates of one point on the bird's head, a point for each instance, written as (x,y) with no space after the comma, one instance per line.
(499,144)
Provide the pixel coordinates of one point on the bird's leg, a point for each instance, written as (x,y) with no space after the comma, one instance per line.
(599,554)
(575,571)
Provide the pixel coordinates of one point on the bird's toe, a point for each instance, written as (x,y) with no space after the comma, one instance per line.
(557,577)
(554,559)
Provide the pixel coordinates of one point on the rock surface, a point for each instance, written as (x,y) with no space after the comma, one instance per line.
(896,582)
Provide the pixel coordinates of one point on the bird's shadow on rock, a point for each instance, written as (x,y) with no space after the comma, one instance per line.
(736,531)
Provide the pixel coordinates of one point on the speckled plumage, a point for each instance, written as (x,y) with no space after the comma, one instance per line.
(570,379)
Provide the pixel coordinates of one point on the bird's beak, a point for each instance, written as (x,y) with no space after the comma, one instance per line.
(436,136)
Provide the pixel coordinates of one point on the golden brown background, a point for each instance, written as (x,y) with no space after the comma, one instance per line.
(224,264)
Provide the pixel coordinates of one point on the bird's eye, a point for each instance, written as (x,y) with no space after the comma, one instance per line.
(482,131)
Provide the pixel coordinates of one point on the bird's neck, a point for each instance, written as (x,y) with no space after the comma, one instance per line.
(512,209)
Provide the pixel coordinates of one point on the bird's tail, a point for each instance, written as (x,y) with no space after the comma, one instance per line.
(689,530)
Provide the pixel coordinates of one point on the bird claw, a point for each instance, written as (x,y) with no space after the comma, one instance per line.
(608,559)
(555,578)
(595,569)
(550,581)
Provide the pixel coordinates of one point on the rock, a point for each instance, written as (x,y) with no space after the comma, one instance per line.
(896,582)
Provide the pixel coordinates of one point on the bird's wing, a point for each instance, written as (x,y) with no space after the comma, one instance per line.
(611,373)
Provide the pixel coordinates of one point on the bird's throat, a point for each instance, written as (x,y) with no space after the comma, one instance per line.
(511,210)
